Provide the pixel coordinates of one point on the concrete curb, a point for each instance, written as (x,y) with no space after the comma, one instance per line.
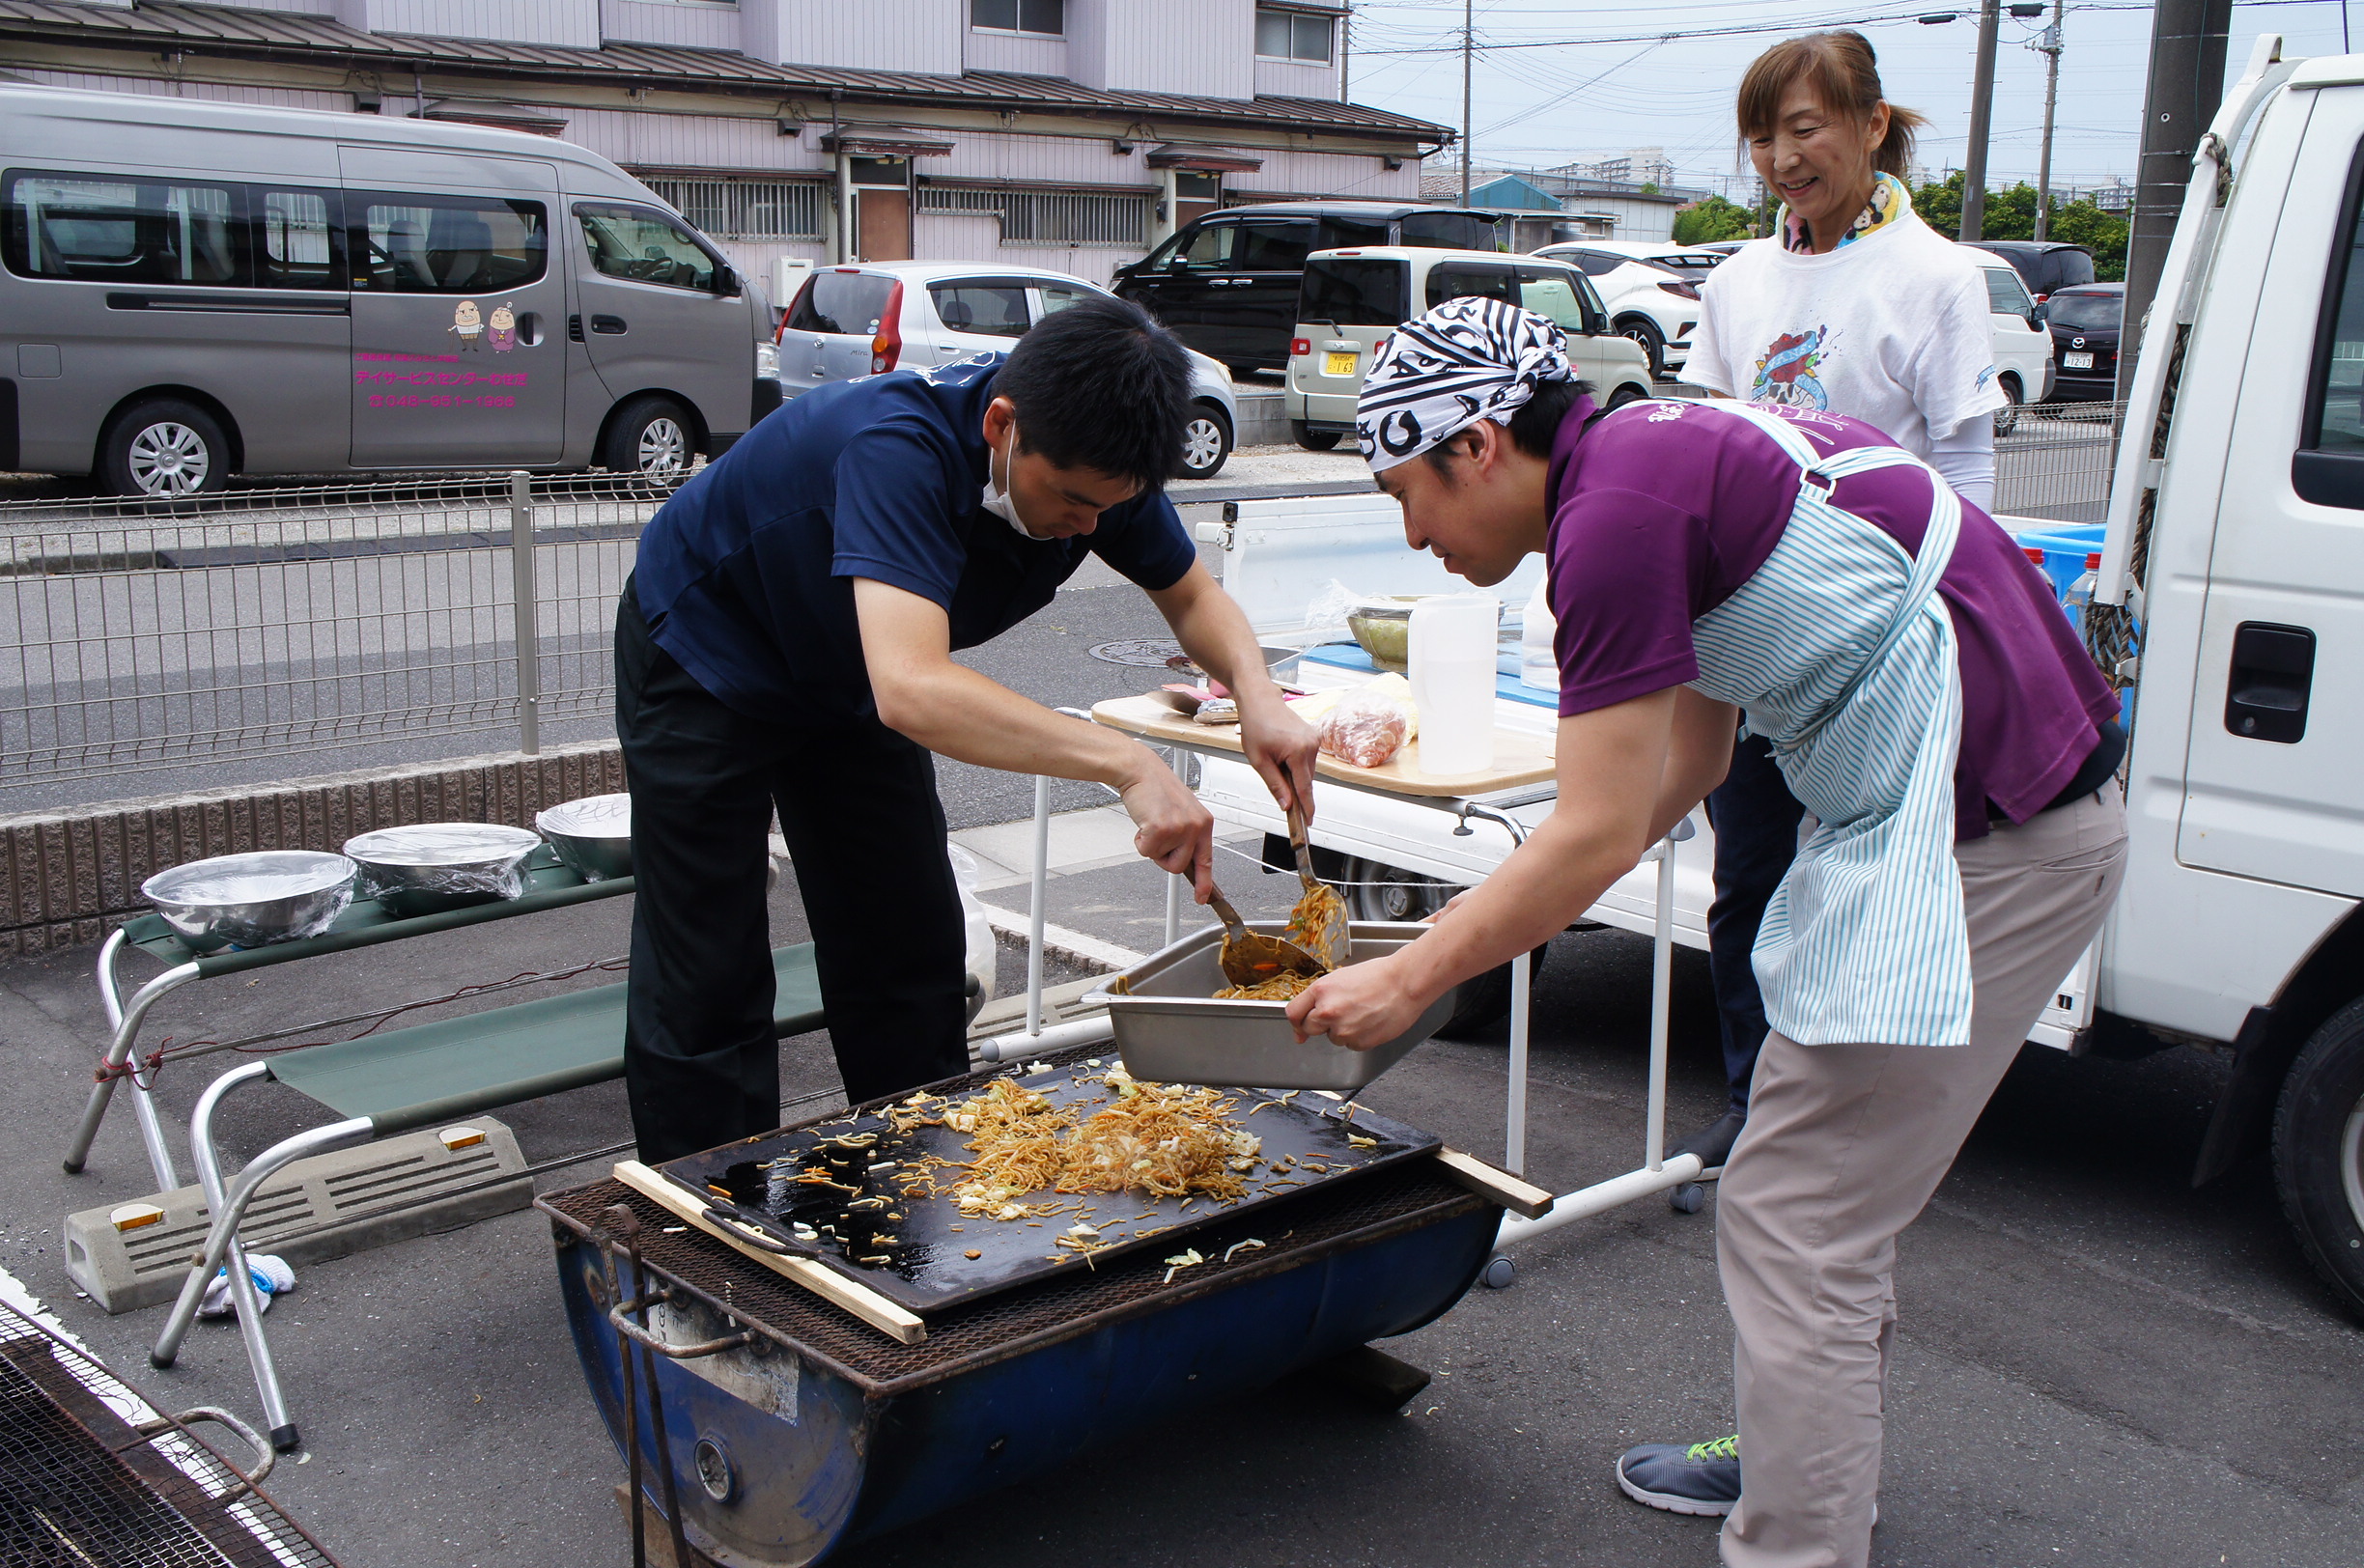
(68,878)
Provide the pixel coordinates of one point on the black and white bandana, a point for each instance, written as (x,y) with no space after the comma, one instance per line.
(1466,361)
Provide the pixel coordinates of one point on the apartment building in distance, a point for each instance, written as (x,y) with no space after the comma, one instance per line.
(1065,133)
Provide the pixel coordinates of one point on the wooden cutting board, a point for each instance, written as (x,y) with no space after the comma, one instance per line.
(1519,759)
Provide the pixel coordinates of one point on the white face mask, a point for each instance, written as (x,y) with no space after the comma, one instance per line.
(997,499)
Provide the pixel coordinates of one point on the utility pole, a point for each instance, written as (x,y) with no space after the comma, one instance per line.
(2187,67)
(1468,10)
(2050,47)
(1345,36)
(1981,119)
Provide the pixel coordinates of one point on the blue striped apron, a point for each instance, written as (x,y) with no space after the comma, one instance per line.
(1842,653)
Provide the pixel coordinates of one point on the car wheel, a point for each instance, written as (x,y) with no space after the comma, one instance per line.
(163,449)
(1206,441)
(2007,417)
(2319,1151)
(1645,331)
(1313,441)
(1378,891)
(650,439)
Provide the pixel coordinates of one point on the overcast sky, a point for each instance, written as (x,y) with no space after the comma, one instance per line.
(1606,78)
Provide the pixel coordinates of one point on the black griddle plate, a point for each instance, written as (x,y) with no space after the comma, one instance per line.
(926,1267)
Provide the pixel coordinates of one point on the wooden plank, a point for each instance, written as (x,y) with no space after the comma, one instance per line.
(1522,1198)
(1519,759)
(865,1303)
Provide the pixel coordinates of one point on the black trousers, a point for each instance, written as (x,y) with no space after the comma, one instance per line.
(1756,820)
(857,806)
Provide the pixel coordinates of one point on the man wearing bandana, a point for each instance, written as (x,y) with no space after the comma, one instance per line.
(785,643)
(1926,699)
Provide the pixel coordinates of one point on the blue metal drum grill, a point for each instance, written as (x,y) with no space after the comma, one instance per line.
(790,1429)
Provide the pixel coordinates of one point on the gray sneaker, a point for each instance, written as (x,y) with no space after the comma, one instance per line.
(1697,1478)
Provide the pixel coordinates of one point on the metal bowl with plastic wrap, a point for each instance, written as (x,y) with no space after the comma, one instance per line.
(429,867)
(592,835)
(1170,1027)
(252,900)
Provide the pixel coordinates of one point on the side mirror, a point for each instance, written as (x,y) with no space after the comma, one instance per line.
(2038,316)
(726,284)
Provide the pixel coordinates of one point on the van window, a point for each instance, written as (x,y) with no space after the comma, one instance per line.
(1459,280)
(2337,397)
(446,244)
(643,247)
(2006,294)
(993,310)
(1350,292)
(100,229)
(1447,230)
(852,304)
(2070,267)
(1275,247)
(1550,292)
(296,244)
(1212,247)
(1344,234)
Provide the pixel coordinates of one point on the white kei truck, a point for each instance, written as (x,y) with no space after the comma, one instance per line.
(2235,543)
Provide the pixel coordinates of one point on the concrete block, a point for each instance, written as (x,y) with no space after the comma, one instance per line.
(129,1255)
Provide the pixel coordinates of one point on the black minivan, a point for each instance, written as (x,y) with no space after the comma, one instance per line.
(1227,283)
(2046,266)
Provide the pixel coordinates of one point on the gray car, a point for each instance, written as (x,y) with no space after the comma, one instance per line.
(194,288)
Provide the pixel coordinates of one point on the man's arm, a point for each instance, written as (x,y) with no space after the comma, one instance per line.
(951,709)
(1627,775)
(1212,630)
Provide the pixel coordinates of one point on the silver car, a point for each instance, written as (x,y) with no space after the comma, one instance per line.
(879,316)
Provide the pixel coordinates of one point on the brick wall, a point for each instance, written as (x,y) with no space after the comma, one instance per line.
(68,877)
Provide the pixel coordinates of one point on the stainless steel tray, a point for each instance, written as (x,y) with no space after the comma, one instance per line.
(1171,1029)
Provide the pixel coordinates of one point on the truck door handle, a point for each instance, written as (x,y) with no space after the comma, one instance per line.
(609,325)
(2273,671)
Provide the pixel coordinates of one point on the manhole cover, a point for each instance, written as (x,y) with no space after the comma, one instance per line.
(1149,652)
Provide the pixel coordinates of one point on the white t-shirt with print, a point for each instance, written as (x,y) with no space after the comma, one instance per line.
(1892,328)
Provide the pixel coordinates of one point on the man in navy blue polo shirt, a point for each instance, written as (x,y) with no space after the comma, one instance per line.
(786,640)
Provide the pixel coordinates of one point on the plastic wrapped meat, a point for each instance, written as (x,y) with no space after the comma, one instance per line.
(1365,729)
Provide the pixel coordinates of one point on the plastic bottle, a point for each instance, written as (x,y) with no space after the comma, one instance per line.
(1538,665)
(2080,593)
(1452,680)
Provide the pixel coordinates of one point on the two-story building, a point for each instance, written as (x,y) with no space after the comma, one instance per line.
(1062,133)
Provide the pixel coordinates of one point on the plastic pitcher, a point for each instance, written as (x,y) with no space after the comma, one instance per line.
(1452,680)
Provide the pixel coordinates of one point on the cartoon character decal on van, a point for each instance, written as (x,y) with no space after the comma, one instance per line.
(467,323)
(502,333)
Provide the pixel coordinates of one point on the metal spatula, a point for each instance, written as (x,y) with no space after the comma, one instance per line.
(1318,922)
(1249,958)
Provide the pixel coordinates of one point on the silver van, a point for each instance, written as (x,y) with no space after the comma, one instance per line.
(190,290)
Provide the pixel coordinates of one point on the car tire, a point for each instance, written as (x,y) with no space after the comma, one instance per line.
(1313,441)
(163,448)
(1645,331)
(1378,891)
(2319,1151)
(1206,442)
(651,439)
(2007,417)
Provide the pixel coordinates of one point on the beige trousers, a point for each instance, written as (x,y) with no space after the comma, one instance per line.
(1844,1146)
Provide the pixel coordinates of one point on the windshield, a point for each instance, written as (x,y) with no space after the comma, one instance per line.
(1354,293)
(2085,312)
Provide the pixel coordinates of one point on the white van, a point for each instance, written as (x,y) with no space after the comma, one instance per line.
(1353,300)
(191,289)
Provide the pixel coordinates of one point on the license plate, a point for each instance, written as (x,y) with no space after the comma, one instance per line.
(1335,364)
(2077,361)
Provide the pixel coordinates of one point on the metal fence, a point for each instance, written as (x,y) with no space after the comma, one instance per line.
(138,637)
(746,209)
(1048,218)
(2055,461)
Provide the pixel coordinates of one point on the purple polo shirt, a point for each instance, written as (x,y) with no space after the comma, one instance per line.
(1659,517)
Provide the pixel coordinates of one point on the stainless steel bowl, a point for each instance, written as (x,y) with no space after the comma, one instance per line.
(593,835)
(252,900)
(1171,1028)
(429,867)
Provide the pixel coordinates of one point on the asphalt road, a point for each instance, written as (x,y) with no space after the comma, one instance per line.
(2095,1365)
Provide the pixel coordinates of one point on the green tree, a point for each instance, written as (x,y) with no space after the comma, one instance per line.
(2010,214)
(1704,222)
(2104,234)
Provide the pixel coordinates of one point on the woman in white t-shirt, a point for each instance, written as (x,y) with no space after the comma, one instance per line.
(1852,306)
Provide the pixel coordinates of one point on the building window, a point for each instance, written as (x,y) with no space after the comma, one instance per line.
(1048,218)
(1047,16)
(1284,35)
(746,208)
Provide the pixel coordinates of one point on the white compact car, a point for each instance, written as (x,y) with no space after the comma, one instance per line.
(2022,342)
(879,316)
(1652,292)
